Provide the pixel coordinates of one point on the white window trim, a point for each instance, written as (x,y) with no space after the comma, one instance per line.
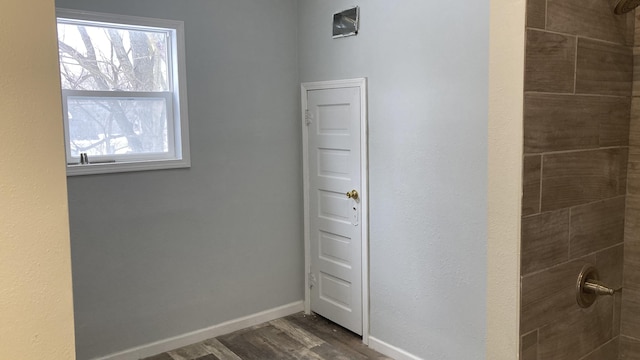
(180,115)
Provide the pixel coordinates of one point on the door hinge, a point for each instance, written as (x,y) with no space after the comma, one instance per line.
(308,118)
(312,280)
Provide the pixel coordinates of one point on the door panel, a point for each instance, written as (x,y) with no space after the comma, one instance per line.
(333,164)
(334,207)
(334,219)
(333,247)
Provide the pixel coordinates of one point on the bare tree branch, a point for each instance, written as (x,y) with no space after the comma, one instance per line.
(123,58)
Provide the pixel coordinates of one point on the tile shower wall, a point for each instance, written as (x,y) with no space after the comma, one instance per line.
(578,83)
(630,331)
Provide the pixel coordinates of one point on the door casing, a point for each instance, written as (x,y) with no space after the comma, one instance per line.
(364,193)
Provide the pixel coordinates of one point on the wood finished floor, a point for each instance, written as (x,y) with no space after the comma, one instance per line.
(298,336)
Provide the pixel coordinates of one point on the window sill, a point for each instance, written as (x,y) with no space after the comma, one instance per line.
(120,167)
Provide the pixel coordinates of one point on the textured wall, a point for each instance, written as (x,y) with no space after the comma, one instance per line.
(630,332)
(427,66)
(576,130)
(161,253)
(36,310)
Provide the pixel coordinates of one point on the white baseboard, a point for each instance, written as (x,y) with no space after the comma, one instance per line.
(390,350)
(193,337)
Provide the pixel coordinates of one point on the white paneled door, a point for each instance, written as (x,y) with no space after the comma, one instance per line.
(335,194)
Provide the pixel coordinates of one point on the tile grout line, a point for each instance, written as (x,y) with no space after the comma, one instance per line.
(537,343)
(578,205)
(618,310)
(560,152)
(533,92)
(593,253)
(575,67)
(541,179)
(599,347)
(630,337)
(546,13)
(581,36)
(569,238)
(631,115)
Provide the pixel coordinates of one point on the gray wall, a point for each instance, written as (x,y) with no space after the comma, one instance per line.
(157,254)
(161,253)
(427,64)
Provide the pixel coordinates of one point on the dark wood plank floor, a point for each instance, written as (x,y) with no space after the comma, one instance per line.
(298,336)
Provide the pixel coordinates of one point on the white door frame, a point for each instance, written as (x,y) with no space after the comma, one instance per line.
(364,193)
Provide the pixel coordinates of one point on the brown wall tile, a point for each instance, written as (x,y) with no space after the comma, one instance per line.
(561,122)
(617,313)
(529,346)
(608,351)
(609,263)
(603,68)
(633,174)
(637,28)
(634,126)
(629,348)
(571,182)
(545,240)
(632,265)
(636,70)
(577,333)
(570,122)
(632,219)
(531,185)
(549,294)
(536,13)
(596,226)
(550,62)
(577,178)
(614,125)
(594,19)
(631,313)
(624,171)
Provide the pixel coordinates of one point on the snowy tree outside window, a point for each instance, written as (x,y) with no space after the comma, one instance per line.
(120,88)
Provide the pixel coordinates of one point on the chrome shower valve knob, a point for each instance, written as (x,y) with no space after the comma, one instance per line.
(589,287)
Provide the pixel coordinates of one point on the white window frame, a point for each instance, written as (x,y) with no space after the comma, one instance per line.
(178,155)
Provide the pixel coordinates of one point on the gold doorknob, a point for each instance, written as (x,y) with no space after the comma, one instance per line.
(352,195)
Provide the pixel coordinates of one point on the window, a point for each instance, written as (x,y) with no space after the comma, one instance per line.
(123,93)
